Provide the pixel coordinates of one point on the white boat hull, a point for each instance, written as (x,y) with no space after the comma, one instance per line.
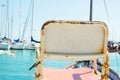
(4,46)
(29,46)
(21,46)
(17,46)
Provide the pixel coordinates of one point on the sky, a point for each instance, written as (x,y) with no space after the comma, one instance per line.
(45,10)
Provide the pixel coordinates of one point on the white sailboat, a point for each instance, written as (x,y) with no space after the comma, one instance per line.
(23,43)
(30,45)
(5,41)
(18,44)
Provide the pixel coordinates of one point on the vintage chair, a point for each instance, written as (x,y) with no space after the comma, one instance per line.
(76,41)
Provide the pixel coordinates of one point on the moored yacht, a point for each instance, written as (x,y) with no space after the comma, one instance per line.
(4,43)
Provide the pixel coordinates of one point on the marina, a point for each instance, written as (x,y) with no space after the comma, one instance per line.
(59,41)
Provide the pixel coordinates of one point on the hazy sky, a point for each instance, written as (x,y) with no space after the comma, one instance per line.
(45,10)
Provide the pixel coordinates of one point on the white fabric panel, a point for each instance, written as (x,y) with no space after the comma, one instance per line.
(74,38)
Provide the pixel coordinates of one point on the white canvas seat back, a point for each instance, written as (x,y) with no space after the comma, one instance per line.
(74,37)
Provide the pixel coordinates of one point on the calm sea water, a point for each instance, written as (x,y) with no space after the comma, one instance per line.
(115,62)
(17,67)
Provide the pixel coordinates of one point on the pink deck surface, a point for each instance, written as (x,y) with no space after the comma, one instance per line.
(69,74)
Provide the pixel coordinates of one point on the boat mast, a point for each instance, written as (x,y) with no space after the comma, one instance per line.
(12,22)
(26,22)
(90,19)
(91,6)
(7,19)
(32,18)
(2,19)
(19,19)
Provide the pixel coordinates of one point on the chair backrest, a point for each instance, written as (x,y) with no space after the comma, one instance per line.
(73,40)
(74,37)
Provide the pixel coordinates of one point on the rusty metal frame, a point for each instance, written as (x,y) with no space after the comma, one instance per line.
(105,62)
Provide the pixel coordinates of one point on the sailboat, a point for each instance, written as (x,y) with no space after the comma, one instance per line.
(30,45)
(17,44)
(5,41)
(21,43)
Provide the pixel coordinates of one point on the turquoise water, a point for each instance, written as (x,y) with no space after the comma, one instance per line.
(115,62)
(17,67)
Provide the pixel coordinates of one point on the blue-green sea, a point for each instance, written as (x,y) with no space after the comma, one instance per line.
(17,67)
